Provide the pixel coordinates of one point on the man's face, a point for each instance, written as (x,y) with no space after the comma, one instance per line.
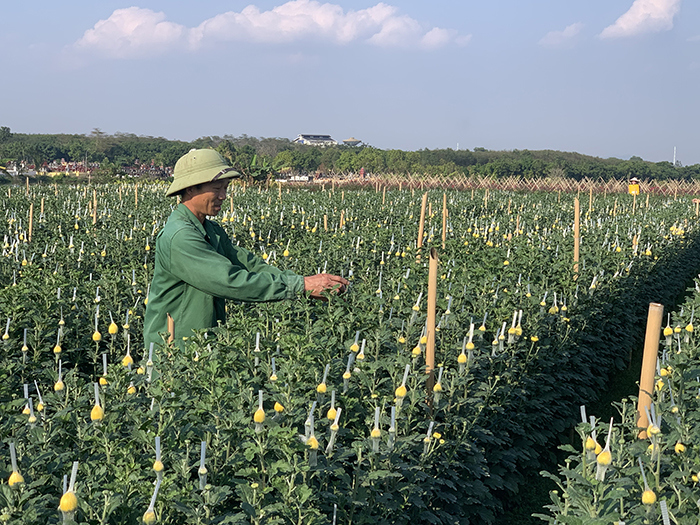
(207,199)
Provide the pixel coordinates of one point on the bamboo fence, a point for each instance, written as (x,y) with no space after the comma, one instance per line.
(513,183)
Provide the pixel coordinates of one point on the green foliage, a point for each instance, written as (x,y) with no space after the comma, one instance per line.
(669,457)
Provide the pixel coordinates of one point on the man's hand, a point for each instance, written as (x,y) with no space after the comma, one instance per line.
(319,283)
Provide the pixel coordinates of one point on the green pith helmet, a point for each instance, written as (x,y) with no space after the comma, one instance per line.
(199,166)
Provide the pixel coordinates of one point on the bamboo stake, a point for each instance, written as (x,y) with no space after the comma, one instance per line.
(27,186)
(42,206)
(646,380)
(325,222)
(31,221)
(696,208)
(634,203)
(94,207)
(136,196)
(342,219)
(590,199)
(384,196)
(120,193)
(444,219)
(647,200)
(421,226)
(430,327)
(171,328)
(430,209)
(577,233)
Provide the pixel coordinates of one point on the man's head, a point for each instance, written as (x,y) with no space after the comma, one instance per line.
(205,199)
(197,167)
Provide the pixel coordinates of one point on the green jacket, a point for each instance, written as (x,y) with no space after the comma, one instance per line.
(197,269)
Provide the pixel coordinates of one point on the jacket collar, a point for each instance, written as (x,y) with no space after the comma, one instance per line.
(185,213)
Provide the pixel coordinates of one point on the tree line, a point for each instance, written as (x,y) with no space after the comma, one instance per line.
(261,157)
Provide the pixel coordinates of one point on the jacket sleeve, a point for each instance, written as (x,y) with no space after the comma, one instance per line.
(196,262)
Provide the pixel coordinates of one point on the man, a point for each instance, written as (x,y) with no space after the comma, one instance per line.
(198,268)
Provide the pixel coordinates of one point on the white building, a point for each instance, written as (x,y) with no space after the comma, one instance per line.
(315,140)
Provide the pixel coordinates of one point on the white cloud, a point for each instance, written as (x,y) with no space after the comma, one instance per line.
(695,38)
(560,38)
(132,32)
(137,32)
(645,16)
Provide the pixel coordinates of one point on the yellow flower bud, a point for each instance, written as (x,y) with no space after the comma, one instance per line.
(652,430)
(58,386)
(648,497)
(401,391)
(15,478)
(679,448)
(97,413)
(149,517)
(321,388)
(259,415)
(278,407)
(604,458)
(312,442)
(113,328)
(376,433)
(68,502)
(96,336)
(127,360)
(158,466)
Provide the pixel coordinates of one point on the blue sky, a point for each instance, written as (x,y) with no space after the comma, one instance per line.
(611,78)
